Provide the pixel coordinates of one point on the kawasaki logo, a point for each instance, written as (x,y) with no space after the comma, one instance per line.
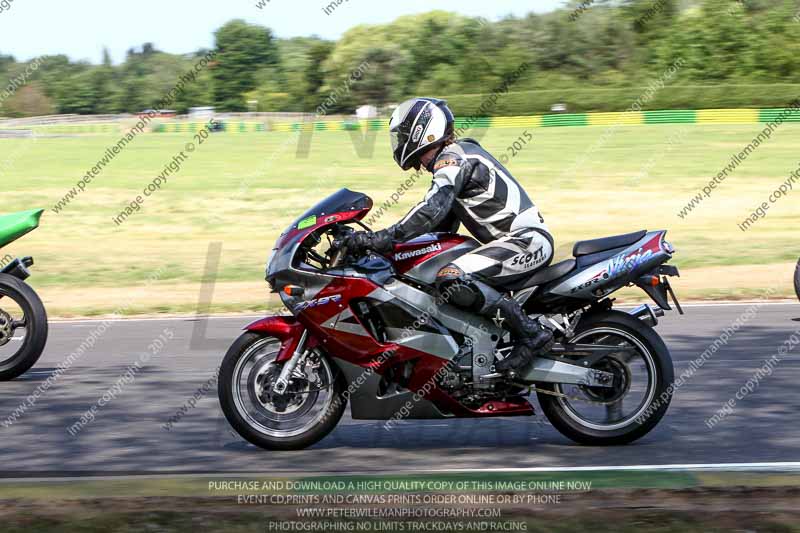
(302,306)
(416,253)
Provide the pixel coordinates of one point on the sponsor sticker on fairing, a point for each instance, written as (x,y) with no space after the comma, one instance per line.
(624,264)
(617,266)
(310,304)
(402,256)
(307,222)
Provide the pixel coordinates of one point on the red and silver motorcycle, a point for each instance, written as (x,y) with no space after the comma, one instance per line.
(374,332)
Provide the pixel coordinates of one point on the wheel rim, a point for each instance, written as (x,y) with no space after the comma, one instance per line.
(637,376)
(14,335)
(303,405)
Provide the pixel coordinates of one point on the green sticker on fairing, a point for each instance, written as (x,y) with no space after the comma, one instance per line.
(307,222)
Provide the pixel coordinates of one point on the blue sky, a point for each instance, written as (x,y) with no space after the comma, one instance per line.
(80,28)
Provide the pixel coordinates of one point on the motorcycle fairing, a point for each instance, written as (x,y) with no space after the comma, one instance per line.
(348,337)
(342,206)
(421,400)
(483,333)
(606,273)
(399,323)
(367,403)
(421,331)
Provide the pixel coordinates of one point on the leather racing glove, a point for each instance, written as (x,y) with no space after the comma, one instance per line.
(360,241)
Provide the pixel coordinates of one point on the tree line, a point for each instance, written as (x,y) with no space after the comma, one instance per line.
(594,51)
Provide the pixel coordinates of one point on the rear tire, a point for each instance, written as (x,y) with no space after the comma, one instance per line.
(653,411)
(228,401)
(35,329)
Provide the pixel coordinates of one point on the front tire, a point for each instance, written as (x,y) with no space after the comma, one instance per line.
(275,422)
(646,413)
(20,308)
(797,280)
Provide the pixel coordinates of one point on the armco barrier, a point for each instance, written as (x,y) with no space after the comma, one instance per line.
(672,116)
(626,118)
(192,127)
(71,129)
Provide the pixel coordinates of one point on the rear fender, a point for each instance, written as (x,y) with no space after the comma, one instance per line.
(284,328)
(18,268)
(657,286)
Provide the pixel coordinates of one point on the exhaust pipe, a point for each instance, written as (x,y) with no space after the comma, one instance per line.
(647,314)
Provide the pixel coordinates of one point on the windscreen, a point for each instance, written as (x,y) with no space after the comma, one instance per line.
(342,200)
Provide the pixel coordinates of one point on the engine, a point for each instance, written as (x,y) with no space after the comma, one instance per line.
(464,379)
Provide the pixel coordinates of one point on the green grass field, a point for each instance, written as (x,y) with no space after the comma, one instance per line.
(242,190)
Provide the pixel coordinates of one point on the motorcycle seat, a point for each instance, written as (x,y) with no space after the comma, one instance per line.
(607,243)
(545,275)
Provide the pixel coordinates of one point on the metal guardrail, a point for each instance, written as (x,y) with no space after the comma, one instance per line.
(669,116)
(61,119)
(250,123)
(15,134)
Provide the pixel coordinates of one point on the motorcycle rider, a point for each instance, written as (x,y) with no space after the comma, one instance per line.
(471,187)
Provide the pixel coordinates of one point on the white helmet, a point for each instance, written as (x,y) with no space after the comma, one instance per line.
(417,125)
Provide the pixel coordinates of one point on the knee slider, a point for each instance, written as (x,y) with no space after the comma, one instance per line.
(455,287)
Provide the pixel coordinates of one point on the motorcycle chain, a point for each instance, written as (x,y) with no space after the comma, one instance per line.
(568,397)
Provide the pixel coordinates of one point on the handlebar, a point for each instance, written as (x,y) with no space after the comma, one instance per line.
(339,255)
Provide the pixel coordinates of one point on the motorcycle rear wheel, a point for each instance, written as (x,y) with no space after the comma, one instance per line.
(655,363)
(292,421)
(20,309)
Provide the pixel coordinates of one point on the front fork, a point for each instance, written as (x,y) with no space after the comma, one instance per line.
(282,383)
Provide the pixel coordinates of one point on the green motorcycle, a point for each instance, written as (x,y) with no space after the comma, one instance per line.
(23,320)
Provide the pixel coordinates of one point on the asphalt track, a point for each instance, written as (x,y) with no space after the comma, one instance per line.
(128,436)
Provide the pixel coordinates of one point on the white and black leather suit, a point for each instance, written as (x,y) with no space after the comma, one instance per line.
(473,188)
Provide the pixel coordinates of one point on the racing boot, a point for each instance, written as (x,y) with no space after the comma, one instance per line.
(531,338)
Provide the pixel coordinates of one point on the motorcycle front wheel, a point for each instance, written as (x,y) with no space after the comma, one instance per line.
(797,280)
(23,327)
(302,415)
(640,394)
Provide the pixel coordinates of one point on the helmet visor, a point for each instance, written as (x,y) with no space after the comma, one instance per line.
(399,140)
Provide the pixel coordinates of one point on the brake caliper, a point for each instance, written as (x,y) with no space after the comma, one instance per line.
(6,328)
